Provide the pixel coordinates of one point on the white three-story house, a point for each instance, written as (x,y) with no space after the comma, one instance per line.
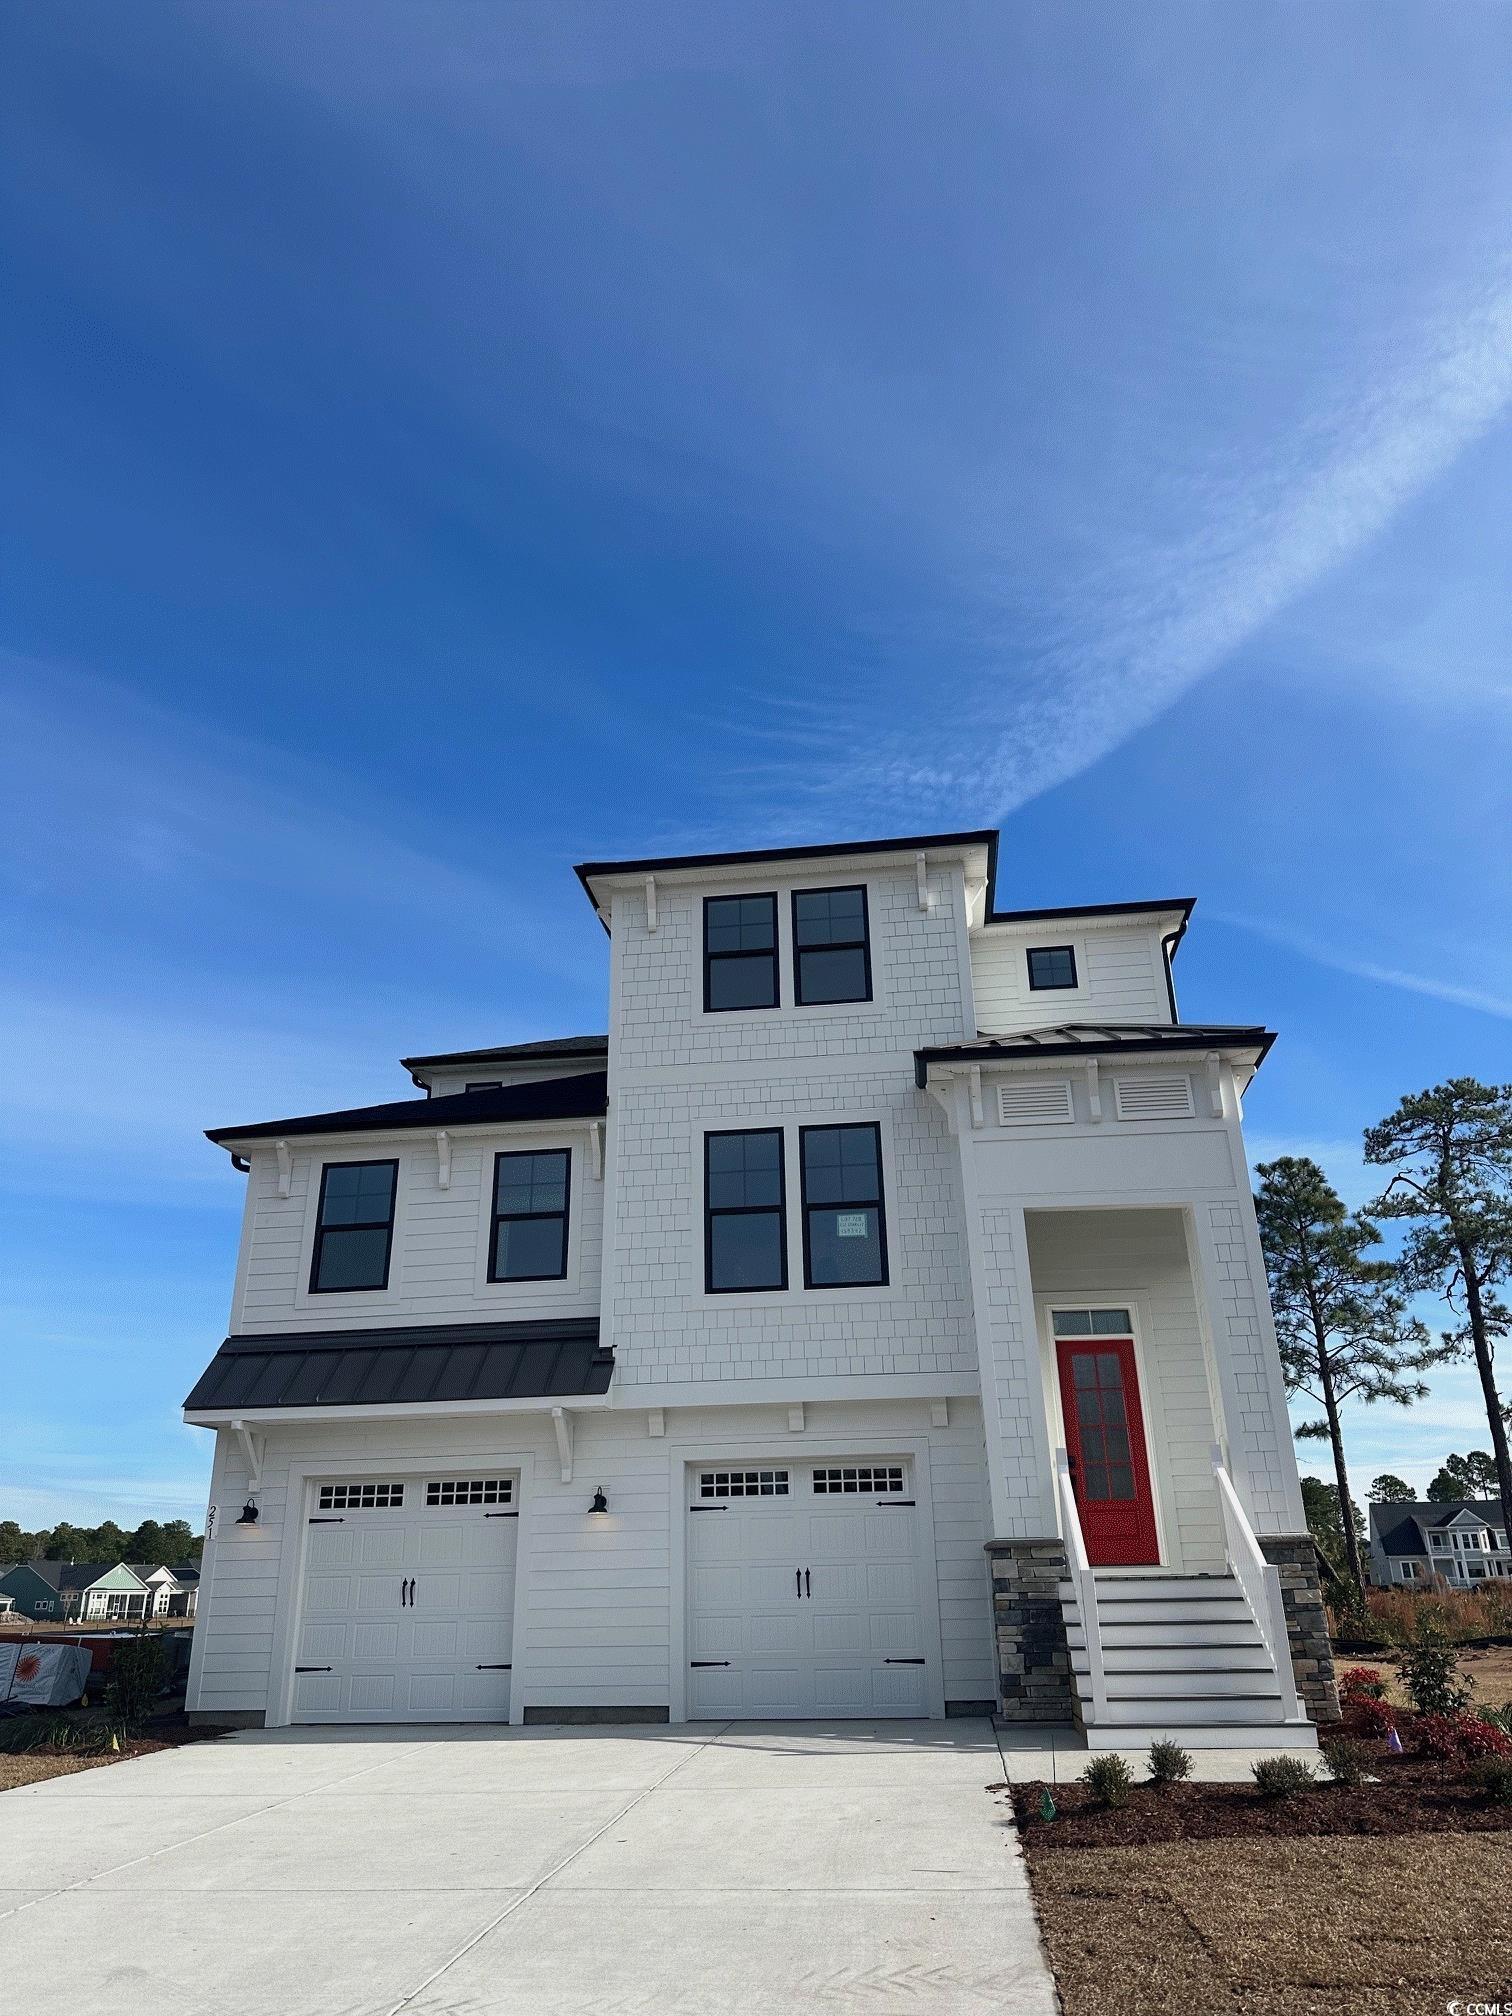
(873,1323)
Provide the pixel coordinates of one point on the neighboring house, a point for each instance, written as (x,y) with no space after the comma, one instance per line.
(1418,1541)
(173,1591)
(872,1323)
(75,1592)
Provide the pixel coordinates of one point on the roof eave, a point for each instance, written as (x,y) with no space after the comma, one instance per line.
(964,1054)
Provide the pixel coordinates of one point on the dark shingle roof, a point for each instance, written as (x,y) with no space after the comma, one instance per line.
(579,1098)
(561,1359)
(1399,1528)
(514,1053)
(1070,1039)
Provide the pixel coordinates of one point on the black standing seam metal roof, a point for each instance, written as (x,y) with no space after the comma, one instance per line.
(1089,1039)
(583,1097)
(514,1053)
(561,1359)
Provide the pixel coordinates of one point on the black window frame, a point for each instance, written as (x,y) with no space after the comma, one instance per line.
(709,958)
(713,1211)
(496,1217)
(1051,986)
(390,1162)
(861,944)
(884,1279)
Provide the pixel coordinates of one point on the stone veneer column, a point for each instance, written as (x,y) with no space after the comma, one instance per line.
(1295,1560)
(1029,1631)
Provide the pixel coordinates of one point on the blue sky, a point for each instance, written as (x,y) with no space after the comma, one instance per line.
(445,442)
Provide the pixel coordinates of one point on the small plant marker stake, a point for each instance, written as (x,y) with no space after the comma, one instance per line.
(1393,1743)
(1047,1804)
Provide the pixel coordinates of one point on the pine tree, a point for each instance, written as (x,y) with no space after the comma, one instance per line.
(1472,1476)
(1450,1149)
(1389,1490)
(1341,1318)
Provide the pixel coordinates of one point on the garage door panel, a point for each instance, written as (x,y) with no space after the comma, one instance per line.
(427,1600)
(807,1599)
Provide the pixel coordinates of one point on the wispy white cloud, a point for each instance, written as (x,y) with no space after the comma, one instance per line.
(1164,617)
(1338,961)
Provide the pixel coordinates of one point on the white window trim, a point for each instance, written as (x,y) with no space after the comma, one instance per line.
(532,1142)
(337,1303)
(787,977)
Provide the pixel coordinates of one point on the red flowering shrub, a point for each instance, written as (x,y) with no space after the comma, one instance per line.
(1360,1683)
(1451,1737)
(1367,1716)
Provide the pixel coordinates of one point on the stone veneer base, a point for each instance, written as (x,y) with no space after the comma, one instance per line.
(1029,1630)
(1295,1559)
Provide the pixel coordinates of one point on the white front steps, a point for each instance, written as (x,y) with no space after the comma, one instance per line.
(1183,1659)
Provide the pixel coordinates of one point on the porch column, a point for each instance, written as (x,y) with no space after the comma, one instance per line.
(1020,1471)
(1256,1430)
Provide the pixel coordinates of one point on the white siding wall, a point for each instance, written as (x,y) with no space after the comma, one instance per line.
(1116,1256)
(440,1237)
(679,1073)
(1121,975)
(598,1600)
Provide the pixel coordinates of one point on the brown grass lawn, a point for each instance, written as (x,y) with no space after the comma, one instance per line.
(1490,1671)
(1279,1927)
(37,1765)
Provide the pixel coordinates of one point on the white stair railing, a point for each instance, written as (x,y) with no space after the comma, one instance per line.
(1260,1584)
(1085,1584)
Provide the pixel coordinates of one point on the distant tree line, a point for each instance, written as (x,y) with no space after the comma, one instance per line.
(170,1543)
(1342,1309)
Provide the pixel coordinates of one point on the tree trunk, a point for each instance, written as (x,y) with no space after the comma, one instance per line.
(1341,1469)
(1475,1309)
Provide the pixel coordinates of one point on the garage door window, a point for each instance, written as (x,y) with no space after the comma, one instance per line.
(868,1477)
(743,1484)
(360,1497)
(469,1491)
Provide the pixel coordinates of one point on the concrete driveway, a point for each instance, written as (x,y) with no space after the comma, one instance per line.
(714,1870)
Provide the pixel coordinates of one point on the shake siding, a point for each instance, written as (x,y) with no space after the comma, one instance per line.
(597,1592)
(440,1239)
(1144,1254)
(1122,977)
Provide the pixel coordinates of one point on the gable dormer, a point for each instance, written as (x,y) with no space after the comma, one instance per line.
(1097,962)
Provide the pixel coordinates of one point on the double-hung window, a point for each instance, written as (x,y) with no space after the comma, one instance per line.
(745,1212)
(1051,966)
(831,946)
(529,1241)
(844,1229)
(740,952)
(354,1227)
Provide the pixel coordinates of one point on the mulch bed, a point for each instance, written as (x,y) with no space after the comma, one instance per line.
(166,1731)
(1411,1796)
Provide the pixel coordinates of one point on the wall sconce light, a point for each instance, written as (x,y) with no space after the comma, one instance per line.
(600,1502)
(248,1514)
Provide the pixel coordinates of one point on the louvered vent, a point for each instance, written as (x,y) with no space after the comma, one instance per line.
(1154,1095)
(1032,1100)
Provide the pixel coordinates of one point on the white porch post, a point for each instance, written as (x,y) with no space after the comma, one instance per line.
(1020,1465)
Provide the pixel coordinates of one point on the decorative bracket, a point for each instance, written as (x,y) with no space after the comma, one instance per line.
(656,1421)
(1215,1085)
(939,1413)
(921,870)
(1094,1090)
(976,1095)
(596,1148)
(650,902)
(443,1159)
(252,1447)
(561,1420)
(795,1419)
(285,1167)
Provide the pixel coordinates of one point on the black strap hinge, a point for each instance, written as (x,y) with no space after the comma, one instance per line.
(314,1669)
(501,1515)
(328,1521)
(902,1662)
(901,1503)
(708,1508)
(708,1662)
(505,1668)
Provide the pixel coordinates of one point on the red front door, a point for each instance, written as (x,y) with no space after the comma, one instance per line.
(1105,1442)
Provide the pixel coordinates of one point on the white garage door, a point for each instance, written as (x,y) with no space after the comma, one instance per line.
(803,1596)
(407,1610)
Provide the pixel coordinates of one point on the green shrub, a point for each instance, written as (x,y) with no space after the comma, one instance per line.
(1431,1674)
(135,1680)
(1168,1764)
(1494,1777)
(1108,1780)
(1499,1718)
(1282,1777)
(1347,1760)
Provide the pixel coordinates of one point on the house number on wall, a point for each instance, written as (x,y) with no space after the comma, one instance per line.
(209,1523)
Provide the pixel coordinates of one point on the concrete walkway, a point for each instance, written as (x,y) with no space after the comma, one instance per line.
(711,1870)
